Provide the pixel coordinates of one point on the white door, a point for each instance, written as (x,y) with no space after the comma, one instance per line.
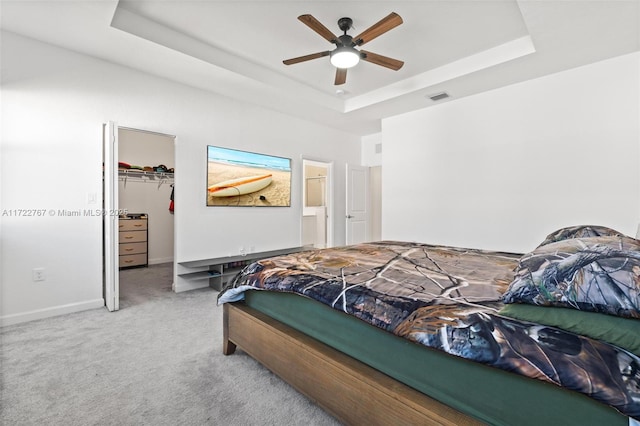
(110,204)
(357,200)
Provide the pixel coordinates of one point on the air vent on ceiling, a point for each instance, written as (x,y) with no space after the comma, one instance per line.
(438,96)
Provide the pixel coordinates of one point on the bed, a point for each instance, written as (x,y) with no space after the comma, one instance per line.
(408,333)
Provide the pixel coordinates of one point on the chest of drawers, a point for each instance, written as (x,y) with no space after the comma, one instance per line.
(133,240)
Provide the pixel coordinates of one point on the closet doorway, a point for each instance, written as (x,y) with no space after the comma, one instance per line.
(317,217)
(139,240)
(146,231)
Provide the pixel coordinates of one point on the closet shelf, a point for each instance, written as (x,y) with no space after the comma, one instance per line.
(145,177)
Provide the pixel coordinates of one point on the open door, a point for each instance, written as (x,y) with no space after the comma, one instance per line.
(357,217)
(110,219)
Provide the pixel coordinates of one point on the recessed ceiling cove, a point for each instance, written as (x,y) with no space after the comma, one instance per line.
(236,48)
(253,38)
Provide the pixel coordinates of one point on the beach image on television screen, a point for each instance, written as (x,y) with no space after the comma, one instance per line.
(247,179)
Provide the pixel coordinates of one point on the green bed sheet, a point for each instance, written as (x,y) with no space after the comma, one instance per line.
(491,395)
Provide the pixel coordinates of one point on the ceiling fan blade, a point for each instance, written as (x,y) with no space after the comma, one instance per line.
(341,76)
(305,58)
(374,58)
(385,24)
(316,26)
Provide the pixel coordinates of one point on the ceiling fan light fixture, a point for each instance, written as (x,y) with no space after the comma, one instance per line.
(345,57)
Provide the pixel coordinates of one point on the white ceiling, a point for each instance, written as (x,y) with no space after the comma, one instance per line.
(236,47)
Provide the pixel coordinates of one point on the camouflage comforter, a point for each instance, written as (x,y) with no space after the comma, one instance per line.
(448,298)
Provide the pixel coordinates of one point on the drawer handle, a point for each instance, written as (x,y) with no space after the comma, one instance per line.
(128,237)
(128,249)
(128,261)
(138,225)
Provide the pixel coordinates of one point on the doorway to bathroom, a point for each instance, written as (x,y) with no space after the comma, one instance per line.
(317,216)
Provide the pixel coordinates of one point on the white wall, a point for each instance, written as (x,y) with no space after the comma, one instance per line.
(372,150)
(375,203)
(372,157)
(502,169)
(53,105)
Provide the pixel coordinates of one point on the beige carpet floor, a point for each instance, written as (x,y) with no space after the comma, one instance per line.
(157,361)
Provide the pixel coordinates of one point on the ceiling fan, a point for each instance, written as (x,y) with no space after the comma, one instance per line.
(345,55)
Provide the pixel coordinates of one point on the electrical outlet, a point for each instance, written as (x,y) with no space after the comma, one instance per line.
(38,274)
(242,251)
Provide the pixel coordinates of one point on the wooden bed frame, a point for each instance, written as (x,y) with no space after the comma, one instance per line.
(351,391)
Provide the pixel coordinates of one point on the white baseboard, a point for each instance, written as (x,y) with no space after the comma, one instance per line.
(50,312)
(159,260)
(182,285)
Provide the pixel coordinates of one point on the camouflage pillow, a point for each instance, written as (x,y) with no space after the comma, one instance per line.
(599,274)
(580,231)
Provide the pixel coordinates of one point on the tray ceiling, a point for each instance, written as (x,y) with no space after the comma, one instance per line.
(236,47)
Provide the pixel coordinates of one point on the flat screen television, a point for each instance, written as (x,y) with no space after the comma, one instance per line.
(247,179)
